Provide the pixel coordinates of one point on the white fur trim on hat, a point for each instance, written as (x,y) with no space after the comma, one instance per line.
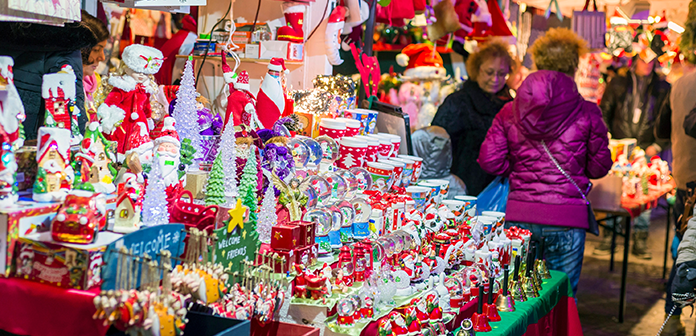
(275,67)
(402,60)
(143,59)
(240,86)
(134,116)
(110,117)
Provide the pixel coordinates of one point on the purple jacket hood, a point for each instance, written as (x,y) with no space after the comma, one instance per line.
(549,108)
(547,103)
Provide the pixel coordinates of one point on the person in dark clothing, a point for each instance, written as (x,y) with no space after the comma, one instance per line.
(468,113)
(630,107)
(40,49)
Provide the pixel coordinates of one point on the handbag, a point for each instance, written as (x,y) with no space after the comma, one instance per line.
(593,225)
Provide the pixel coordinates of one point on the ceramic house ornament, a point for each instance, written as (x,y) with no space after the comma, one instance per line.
(58,91)
(54,176)
(11,108)
(128,209)
(96,158)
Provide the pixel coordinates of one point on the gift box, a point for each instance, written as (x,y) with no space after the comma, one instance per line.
(285,237)
(307,255)
(295,51)
(38,259)
(195,181)
(252,51)
(273,49)
(281,261)
(307,232)
(306,123)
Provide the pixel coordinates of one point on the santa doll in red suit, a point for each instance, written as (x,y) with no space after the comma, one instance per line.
(128,104)
(241,104)
(272,101)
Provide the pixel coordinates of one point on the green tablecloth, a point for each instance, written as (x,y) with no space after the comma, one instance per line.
(529,312)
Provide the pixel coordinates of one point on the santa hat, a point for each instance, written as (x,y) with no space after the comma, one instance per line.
(242,82)
(227,72)
(277,64)
(418,55)
(169,133)
(143,59)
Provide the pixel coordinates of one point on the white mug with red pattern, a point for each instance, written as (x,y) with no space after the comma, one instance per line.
(386,147)
(335,129)
(396,142)
(351,153)
(352,126)
(372,154)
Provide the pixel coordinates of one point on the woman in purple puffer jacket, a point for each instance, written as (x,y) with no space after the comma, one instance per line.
(548,109)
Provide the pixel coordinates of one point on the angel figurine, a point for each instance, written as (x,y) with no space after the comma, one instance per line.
(291,197)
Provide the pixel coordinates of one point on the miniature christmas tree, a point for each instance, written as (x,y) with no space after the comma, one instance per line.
(185,111)
(40,185)
(228,151)
(267,215)
(247,188)
(215,189)
(688,38)
(155,210)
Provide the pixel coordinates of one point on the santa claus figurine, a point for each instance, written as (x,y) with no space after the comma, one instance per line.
(95,160)
(128,104)
(398,321)
(241,104)
(272,102)
(168,147)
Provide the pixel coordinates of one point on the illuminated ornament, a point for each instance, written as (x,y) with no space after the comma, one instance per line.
(54,176)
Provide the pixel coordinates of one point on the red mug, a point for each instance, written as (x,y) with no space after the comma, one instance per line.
(395,140)
(386,147)
(372,148)
(352,126)
(332,128)
(351,153)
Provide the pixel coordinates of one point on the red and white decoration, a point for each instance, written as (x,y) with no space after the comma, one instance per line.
(131,93)
(167,145)
(241,104)
(334,129)
(352,126)
(11,107)
(57,90)
(351,153)
(272,100)
(294,18)
(421,61)
(332,36)
(53,155)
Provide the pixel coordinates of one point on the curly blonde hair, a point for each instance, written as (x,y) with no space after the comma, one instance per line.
(494,48)
(559,50)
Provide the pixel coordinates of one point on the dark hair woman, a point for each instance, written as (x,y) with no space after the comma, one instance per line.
(467,114)
(92,55)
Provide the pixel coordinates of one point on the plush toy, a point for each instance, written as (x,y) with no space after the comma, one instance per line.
(272,102)
(422,61)
(447,21)
(410,99)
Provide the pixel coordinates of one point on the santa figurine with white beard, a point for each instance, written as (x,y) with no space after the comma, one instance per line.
(272,102)
(168,147)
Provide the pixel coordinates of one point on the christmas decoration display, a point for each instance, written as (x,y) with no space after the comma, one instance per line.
(334,29)
(11,108)
(95,159)
(248,188)
(267,213)
(168,149)
(155,202)
(81,217)
(58,92)
(228,152)
(215,190)
(294,18)
(272,99)
(55,176)
(131,92)
(185,111)
(128,207)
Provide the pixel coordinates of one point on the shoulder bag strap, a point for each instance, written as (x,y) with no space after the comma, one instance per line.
(546,149)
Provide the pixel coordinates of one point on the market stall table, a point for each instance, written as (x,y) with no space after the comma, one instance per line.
(553,310)
(630,209)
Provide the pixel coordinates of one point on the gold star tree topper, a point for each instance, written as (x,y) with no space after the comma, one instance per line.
(237,215)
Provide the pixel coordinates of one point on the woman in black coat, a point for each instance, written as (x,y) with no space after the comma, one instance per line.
(468,113)
(40,49)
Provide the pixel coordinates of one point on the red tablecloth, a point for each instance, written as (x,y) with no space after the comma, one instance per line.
(31,308)
(636,206)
